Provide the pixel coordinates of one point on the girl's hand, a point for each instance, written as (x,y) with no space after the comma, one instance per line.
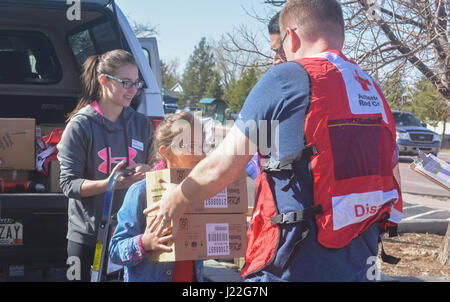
(151,241)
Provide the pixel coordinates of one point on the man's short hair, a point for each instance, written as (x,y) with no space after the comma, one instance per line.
(274,25)
(312,16)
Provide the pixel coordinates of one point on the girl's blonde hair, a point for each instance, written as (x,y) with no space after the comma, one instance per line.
(164,134)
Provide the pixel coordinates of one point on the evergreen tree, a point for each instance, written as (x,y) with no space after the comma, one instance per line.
(395,92)
(429,105)
(198,73)
(169,74)
(215,89)
(239,90)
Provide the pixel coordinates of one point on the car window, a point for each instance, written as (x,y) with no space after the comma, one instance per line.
(147,56)
(95,39)
(406,119)
(27,57)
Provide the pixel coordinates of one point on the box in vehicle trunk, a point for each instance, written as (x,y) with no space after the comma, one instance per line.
(17,143)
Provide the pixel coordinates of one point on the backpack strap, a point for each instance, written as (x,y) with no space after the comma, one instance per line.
(287,163)
(296,216)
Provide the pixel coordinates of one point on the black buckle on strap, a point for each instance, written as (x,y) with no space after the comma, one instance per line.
(296,216)
(288,218)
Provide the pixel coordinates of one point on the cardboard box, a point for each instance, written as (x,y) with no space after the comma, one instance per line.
(206,236)
(232,199)
(17,143)
(52,180)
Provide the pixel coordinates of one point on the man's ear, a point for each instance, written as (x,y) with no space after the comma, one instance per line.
(294,39)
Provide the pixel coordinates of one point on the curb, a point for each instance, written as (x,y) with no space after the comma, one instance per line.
(435,226)
(385,278)
(432,196)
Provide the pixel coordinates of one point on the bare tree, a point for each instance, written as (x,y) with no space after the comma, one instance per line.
(239,51)
(143,30)
(391,36)
(244,48)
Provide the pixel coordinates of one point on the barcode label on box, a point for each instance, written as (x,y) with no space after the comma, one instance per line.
(218,201)
(217,239)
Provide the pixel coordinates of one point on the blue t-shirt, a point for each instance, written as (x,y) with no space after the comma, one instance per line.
(282,95)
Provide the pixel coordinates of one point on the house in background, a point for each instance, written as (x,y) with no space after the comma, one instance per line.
(214,108)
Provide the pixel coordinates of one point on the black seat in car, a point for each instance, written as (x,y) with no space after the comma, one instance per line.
(14,67)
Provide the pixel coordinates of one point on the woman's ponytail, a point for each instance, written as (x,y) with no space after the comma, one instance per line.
(90,87)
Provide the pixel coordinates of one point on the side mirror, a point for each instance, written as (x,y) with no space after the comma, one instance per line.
(425,125)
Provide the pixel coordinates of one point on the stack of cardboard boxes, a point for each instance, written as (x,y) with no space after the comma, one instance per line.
(211,229)
(17,148)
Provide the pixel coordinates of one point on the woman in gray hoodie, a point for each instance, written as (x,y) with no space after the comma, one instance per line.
(103,134)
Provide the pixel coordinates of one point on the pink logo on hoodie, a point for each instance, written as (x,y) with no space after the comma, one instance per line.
(103,167)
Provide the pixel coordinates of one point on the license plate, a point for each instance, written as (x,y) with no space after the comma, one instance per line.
(11,232)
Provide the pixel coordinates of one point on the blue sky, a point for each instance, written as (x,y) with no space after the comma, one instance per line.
(182,23)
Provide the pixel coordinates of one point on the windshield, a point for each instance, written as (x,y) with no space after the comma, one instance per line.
(406,119)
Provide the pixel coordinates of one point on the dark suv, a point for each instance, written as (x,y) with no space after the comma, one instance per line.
(412,135)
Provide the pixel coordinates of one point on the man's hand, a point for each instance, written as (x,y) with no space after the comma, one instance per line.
(170,207)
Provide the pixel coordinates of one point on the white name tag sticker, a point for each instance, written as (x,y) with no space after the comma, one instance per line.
(137,145)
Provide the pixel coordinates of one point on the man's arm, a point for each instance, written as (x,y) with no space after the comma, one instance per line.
(209,177)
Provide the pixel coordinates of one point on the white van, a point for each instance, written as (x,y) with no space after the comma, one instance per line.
(43,44)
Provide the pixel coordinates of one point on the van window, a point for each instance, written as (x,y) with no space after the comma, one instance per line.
(27,57)
(96,39)
(147,56)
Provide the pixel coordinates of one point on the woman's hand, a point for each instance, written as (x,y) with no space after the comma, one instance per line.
(152,241)
(141,168)
(124,182)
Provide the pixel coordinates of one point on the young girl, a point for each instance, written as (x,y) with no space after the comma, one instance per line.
(103,134)
(132,241)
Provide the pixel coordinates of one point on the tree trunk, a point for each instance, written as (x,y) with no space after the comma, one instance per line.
(443,133)
(444,250)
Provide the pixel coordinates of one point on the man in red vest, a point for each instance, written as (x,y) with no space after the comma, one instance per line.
(328,190)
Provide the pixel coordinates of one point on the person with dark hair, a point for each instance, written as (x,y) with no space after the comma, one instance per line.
(275,40)
(103,135)
(328,190)
(253,167)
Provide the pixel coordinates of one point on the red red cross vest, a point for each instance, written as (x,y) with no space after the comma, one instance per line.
(352,130)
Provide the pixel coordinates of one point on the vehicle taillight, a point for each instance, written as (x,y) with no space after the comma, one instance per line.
(155,120)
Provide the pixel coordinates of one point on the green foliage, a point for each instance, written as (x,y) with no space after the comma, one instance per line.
(239,90)
(428,104)
(424,101)
(395,92)
(215,89)
(169,74)
(198,73)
